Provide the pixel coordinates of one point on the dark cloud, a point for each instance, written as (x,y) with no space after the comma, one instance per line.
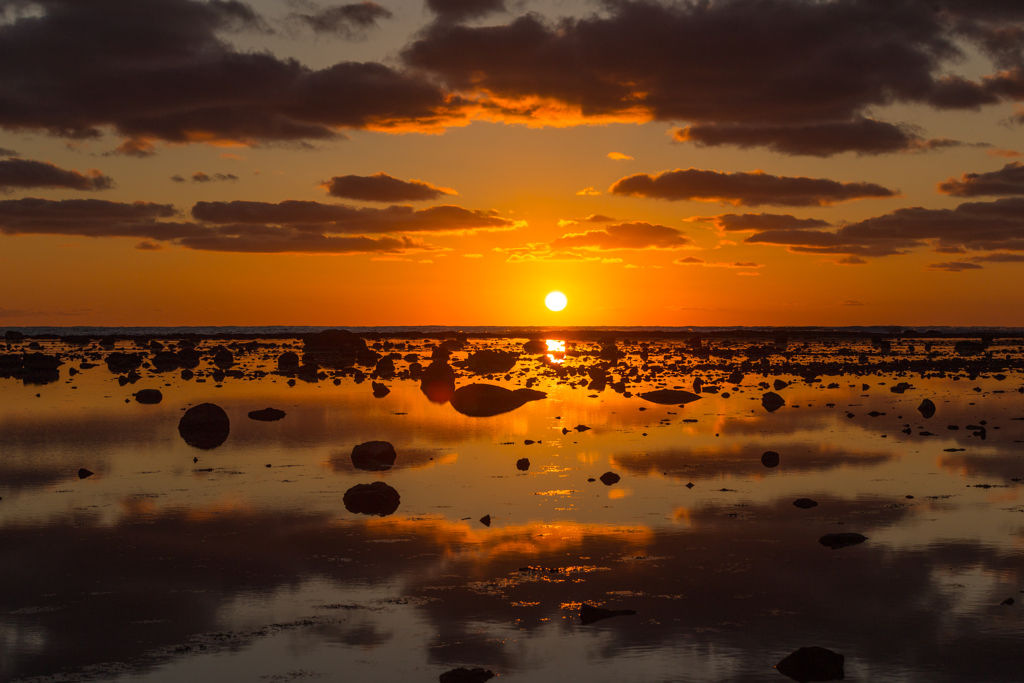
(24,173)
(349,21)
(136,147)
(745,189)
(461,10)
(851,261)
(177,178)
(731,222)
(87,218)
(200,177)
(1007,181)
(797,76)
(694,261)
(4,152)
(954,266)
(159,70)
(380,187)
(146,245)
(253,239)
(635,235)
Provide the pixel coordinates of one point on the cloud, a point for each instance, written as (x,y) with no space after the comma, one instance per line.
(1004,153)
(745,189)
(451,11)
(135,147)
(146,245)
(381,187)
(588,192)
(177,178)
(200,177)
(731,68)
(850,303)
(592,218)
(635,235)
(731,222)
(1007,181)
(953,266)
(160,71)
(349,21)
(24,173)
(4,152)
(694,261)
(344,219)
(473,255)
(618,156)
(850,261)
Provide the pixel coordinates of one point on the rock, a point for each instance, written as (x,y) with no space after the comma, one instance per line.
(385,367)
(485,400)
(165,361)
(486,520)
(119,363)
(288,362)
(735,378)
(609,478)
(900,388)
(1008,602)
(148,397)
(187,374)
(805,503)
(223,359)
(372,499)
(770,459)
(437,381)
(379,390)
(927,408)
(491,362)
(813,664)
(697,384)
(772,401)
(837,541)
(523,464)
(267,415)
(669,397)
(84,473)
(463,675)
(204,426)
(535,346)
(780,385)
(581,428)
(589,613)
(374,456)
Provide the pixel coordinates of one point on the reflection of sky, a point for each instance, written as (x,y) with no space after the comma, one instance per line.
(729,581)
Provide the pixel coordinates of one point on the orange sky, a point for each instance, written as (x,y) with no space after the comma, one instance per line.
(606,156)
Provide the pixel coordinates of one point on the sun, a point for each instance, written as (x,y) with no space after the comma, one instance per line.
(555,301)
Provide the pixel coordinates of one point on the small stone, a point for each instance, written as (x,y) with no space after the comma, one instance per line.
(464,675)
(609,478)
(805,503)
(770,459)
(844,540)
(84,473)
(523,464)
(589,613)
(374,456)
(486,520)
(267,415)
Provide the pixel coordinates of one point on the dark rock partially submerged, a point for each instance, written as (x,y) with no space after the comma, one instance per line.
(374,456)
(464,675)
(148,397)
(84,473)
(669,397)
(772,401)
(813,664)
(927,408)
(844,540)
(267,415)
(379,390)
(805,503)
(372,499)
(490,362)
(609,478)
(485,400)
(589,613)
(523,464)
(204,426)
(770,459)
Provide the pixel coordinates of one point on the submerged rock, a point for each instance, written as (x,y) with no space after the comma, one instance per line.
(204,426)
(267,415)
(374,456)
(772,401)
(485,400)
(844,540)
(813,664)
(927,408)
(148,397)
(464,675)
(669,397)
(805,503)
(770,459)
(372,499)
(589,613)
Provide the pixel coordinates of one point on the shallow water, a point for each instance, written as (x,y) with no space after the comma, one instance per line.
(246,565)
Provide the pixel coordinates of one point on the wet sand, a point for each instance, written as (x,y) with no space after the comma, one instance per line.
(276,554)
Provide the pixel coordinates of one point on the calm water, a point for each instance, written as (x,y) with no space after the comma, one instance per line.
(245,565)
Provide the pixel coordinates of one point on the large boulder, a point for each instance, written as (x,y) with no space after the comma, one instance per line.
(288,362)
(372,499)
(204,426)
(535,346)
(119,363)
(813,664)
(927,408)
(670,397)
(148,397)
(373,456)
(437,381)
(772,401)
(485,400)
(491,362)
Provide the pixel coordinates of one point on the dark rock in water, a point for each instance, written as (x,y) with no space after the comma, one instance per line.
(589,613)
(485,400)
(813,664)
(463,675)
(780,385)
(385,367)
(523,464)
(288,362)
(927,408)
(374,456)
(437,381)
(204,426)
(379,390)
(83,473)
(166,361)
(772,401)
(900,388)
(837,541)
(489,362)
(805,503)
(1007,601)
(223,359)
(609,478)
(486,520)
(770,459)
(535,346)
(120,363)
(697,384)
(736,377)
(669,397)
(149,397)
(581,428)
(372,499)
(267,415)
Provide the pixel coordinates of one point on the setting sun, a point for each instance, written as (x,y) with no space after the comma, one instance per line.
(555,301)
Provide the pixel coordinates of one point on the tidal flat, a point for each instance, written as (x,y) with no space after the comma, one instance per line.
(604,509)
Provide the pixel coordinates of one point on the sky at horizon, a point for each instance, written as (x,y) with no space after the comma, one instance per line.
(450,162)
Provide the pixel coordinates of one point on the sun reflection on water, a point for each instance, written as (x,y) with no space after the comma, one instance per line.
(556,350)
